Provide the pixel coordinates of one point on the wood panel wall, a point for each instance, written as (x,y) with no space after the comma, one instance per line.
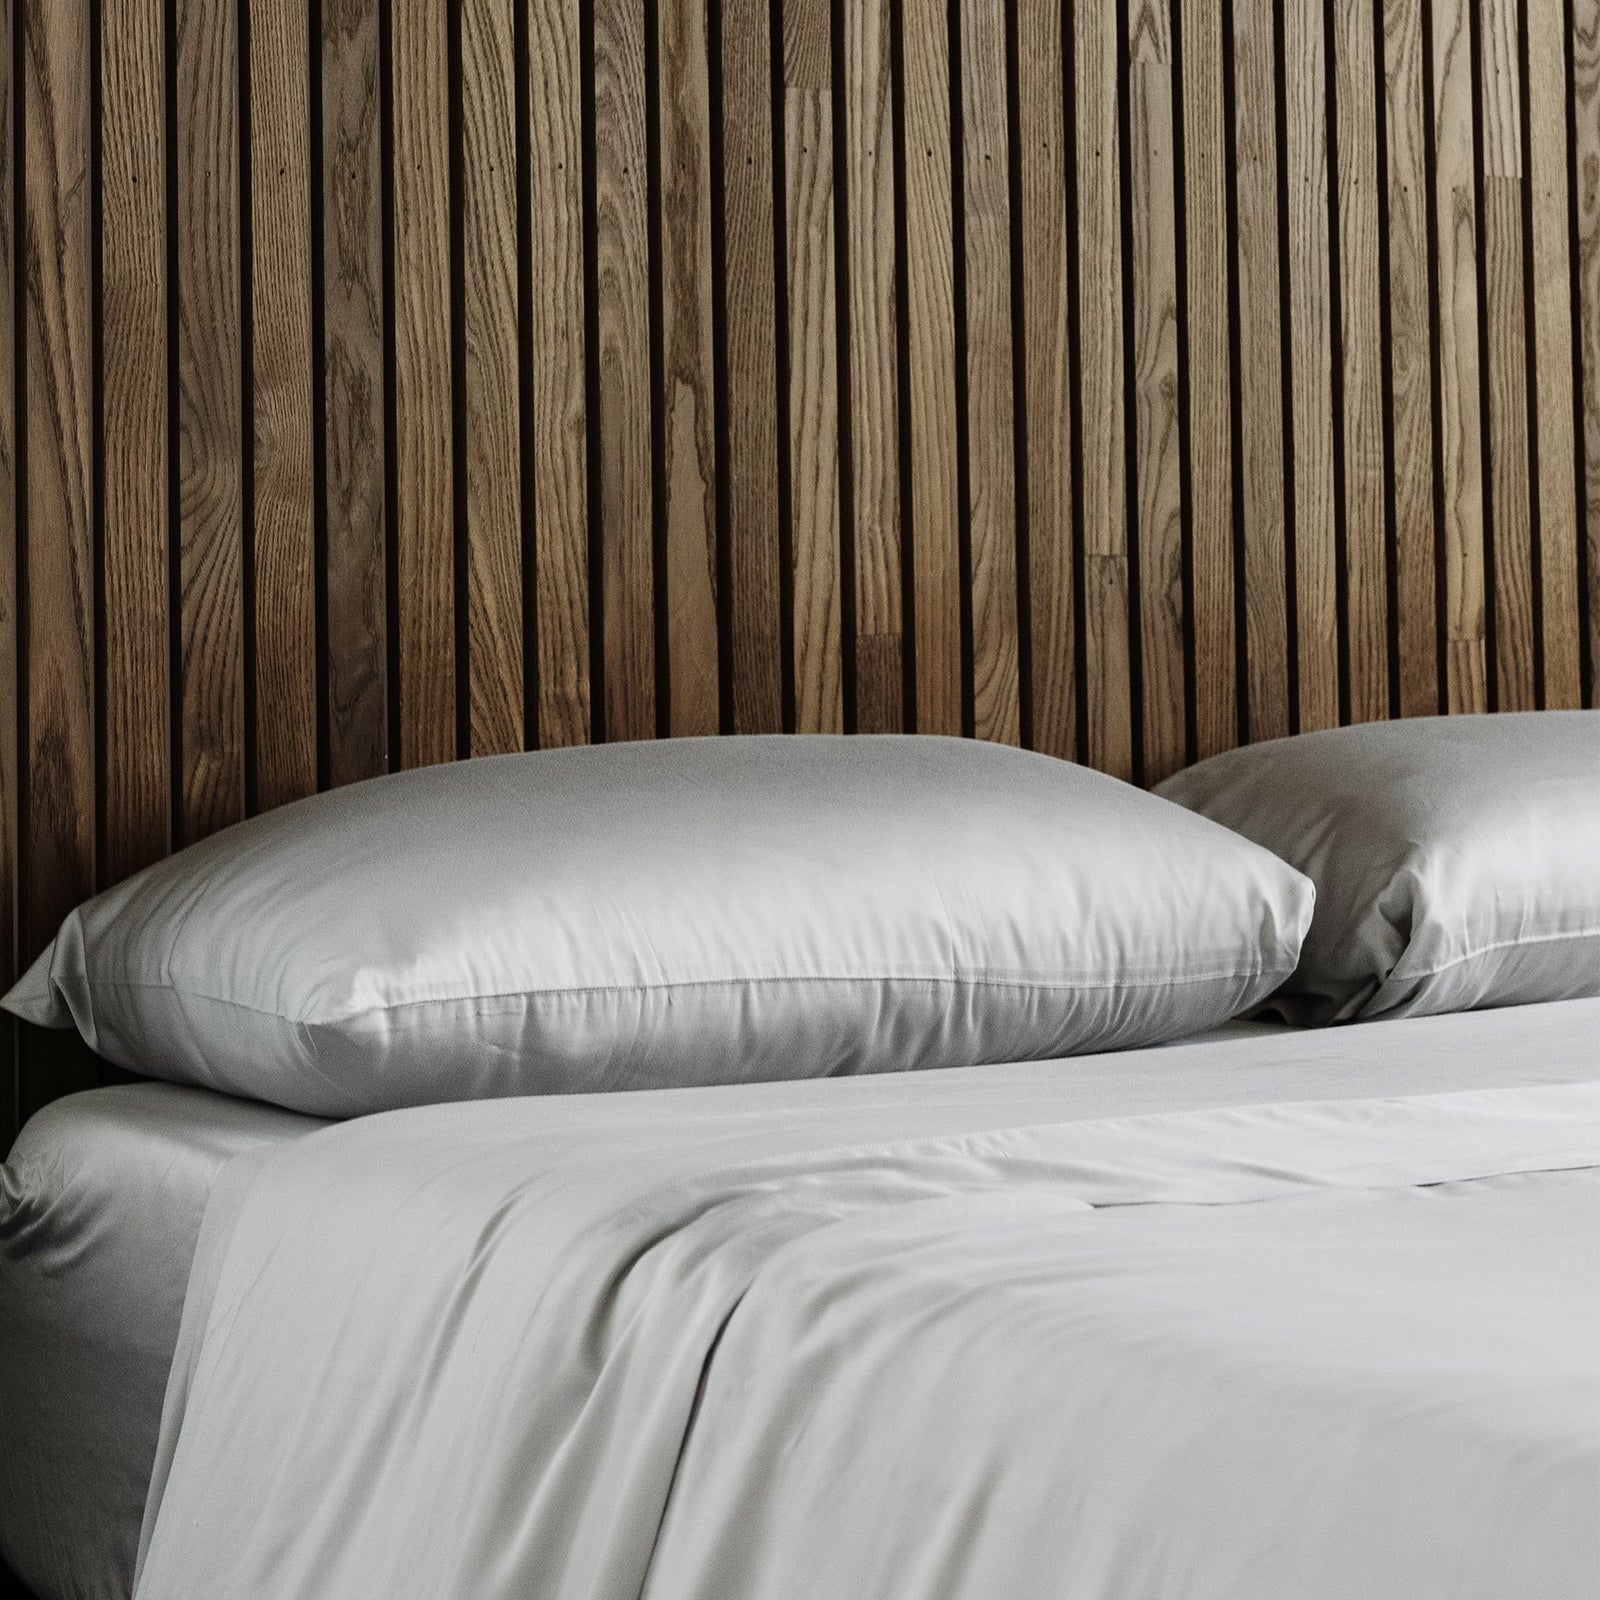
(386,382)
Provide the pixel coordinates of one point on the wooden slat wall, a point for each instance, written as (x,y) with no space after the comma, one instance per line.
(387,383)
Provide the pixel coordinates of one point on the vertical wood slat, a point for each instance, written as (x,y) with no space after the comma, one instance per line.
(10,66)
(813,367)
(424,528)
(622,252)
(873,356)
(283,408)
(136,805)
(1155,311)
(209,419)
(560,465)
(1103,488)
(1586,120)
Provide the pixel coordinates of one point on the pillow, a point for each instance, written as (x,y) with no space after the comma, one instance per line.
(675,913)
(1456,859)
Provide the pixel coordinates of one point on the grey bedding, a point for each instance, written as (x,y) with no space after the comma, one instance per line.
(101,1201)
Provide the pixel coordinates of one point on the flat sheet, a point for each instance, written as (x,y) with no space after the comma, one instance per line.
(101,1202)
(1208,1321)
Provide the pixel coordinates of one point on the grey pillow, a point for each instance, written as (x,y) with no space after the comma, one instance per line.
(1456,859)
(684,912)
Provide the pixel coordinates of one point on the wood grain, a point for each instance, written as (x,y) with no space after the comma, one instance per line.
(424,526)
(1044,323)
(283,409)
(1461,463)
(931,363)
(622,247)
(752,384)
(9,663)
(1104,486)
(1310,335)
(560,467)
(210,431)
(136,802)
(1208,258)
(1366,469)
(1410,357)
(813,368)
(874,371)
(1586,162)
(1159,485)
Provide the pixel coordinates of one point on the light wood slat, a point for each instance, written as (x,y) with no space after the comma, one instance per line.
(58,849)
(1462,462)
(874,368)
(1208,257)
(1155,312)
(1044,321)
(990,423)
(1366,623)
(424,527)
(1586,121)
(283,404)
(1410,357)
(752,465)
(560,465)
(137,800)
(1260,373)
(210,484)
(623,275)
(1552,354)
(813,367)
(493,453)
(1104,488)
(1507,374)
(1310,335)
(931,376)
(9,664)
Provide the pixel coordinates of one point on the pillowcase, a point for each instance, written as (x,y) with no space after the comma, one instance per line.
(674,913)
(1456,859)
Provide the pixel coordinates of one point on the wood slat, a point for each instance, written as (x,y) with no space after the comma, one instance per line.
(424,474)
(57,847)
(560,464)
(1551,282)
(873,355)
(1155,344)
(1310,334)
(931,376)
(9,664)
(136,803)
(283,408)
(1366,471)
(1410,357)
(1208,258)
(813,367)
(210,482)
(1103,488)
(1461,461)
(752,386)
(1586,163)
(1044,318)
(622,249)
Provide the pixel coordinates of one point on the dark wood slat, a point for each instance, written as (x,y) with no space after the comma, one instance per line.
(210,442)
(1208,257)
(1155,342)
(9,664)
(1586,121)
(424,527)
(689,398)
(624,328)
(137,801)
(874,367)
(752,422)
(931,379)
(493,453)
(284,412)
(813,368)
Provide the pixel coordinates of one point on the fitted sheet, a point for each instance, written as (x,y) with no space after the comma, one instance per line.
(101,1202)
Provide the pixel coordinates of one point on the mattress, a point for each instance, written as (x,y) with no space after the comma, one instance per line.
(101,1202)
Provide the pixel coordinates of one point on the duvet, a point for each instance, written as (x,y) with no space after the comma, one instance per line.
(965,1337)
